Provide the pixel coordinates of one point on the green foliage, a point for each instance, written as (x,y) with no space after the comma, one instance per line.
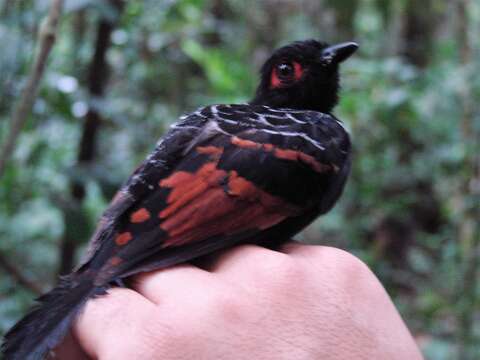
(410,209)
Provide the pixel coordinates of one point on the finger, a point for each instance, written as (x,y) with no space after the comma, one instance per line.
(69,349)
(294,248)
(179,281)
(243,259)
(316,255)
(106,320)
(208,262)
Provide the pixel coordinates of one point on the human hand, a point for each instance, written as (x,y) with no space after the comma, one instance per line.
(305,302)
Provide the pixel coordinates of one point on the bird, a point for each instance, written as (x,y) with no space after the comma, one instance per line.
(225,174)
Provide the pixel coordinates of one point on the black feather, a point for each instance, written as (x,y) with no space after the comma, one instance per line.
(48,322)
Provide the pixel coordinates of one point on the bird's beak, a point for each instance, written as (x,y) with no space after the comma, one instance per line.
(337,53)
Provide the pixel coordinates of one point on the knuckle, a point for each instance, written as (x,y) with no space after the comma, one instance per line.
(350,269)
(285,275)
(333,258)
(335,271)
(289,269)
(157,336)
(166,331)
(222,303)
(275,266)
(350,264)
(228,307)
(261,267)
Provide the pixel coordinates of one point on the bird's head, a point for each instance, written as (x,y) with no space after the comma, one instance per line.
(303,75)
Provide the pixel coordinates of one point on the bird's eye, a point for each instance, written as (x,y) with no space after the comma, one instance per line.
(285,70)
(285,73)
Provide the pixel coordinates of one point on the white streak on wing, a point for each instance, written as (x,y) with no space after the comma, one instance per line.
(138,178)
(301,135)
(228,120)
(294,119)
(208,131)
(158,144)
(179,125)
(281,117)
(341,125)
(285,116)
(261,119)
(284,110)
(215,127)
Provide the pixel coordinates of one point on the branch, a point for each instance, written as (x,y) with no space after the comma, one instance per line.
(19,277)
(46,39)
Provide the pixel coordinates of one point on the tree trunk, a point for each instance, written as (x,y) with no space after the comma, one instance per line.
(97,78)
(469,193)
(418,32)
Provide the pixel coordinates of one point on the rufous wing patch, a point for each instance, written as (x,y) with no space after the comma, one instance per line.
(241,187)
(140,216)
(244,143)
(210,205)
(283,154)
(309,160)
(314,164)
(123,238)
(286,154)
(247,190)
(114,261)
(209,150)
(268,147)
(185,186)
(242,206)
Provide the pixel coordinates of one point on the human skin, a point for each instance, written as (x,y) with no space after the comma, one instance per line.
(301,302)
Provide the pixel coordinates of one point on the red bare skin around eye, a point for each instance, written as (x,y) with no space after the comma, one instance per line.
(298,70)
(275,80)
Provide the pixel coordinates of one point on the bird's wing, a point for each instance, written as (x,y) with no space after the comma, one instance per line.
(144,180)
(224,177)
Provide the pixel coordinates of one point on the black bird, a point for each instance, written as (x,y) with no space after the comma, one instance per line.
(222,175)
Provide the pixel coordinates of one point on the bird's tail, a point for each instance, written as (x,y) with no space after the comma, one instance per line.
(48,322)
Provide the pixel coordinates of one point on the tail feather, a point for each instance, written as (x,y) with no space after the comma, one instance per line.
(48,322)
